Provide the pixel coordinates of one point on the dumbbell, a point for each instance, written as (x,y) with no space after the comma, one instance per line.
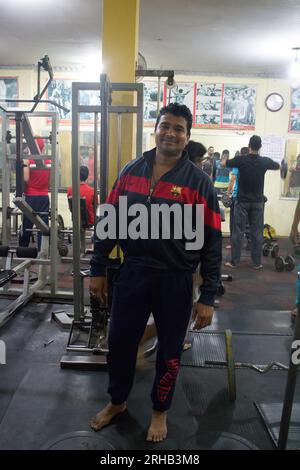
(288,263)
(272,248)
(226,200)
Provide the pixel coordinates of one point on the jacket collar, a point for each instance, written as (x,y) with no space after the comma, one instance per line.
(149,157)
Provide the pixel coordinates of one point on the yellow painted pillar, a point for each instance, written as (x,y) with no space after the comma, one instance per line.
(120,27)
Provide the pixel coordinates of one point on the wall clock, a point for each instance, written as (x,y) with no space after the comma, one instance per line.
(274,102)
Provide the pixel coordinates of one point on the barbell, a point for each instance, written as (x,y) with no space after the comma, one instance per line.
(231,365)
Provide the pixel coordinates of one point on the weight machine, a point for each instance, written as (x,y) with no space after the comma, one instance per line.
(93,324)
(47,274)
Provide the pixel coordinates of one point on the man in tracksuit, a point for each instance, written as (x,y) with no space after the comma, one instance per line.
(156,275)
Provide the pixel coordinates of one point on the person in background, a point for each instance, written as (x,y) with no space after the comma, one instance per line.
(196,152)
(222,173)
(208,164)
(250,201)
(85,192)
(36,179)
(233,191)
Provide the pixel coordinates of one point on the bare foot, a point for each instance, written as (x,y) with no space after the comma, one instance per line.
(158,428)
(104,417)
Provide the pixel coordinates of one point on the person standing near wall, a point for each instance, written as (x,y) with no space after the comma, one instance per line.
(250,201)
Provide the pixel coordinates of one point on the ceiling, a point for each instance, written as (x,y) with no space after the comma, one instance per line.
(197,36)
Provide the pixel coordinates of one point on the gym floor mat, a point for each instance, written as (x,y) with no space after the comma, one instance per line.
(271,416)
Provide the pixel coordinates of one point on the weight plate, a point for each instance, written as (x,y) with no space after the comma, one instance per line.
(62,249)
(79,440)
(290,263)
(265,251)
(279,264)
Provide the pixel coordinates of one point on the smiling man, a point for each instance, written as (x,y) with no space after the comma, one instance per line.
(156,275)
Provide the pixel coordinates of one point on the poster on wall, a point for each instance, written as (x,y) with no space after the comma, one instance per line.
(273,146)
(9,90)
(150,101)
(182,93)
(60,91)
(238,106)
(294,121)
(208,105)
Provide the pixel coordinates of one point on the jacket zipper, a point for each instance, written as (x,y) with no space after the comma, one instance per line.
(151,191)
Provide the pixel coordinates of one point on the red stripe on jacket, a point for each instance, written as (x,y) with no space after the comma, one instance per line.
(165,190)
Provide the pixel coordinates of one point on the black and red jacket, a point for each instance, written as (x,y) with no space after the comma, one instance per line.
(192,186)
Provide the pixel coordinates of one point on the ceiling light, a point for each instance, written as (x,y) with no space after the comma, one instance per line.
(91,68)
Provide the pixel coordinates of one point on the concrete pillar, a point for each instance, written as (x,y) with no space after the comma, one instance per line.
(120,28)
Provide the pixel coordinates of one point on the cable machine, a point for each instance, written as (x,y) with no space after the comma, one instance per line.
(94,322)
(28,256)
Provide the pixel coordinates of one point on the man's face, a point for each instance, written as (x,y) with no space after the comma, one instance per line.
(171,135)
(210,151)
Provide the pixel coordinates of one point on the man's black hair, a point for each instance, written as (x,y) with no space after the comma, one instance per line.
(255,142)
(177,110)
(244,151)
(225,152)
(195,150)
(83,173)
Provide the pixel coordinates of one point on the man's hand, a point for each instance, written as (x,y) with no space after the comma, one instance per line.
(202,316)
(98,288)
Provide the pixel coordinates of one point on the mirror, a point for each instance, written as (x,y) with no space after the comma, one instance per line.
(291,185)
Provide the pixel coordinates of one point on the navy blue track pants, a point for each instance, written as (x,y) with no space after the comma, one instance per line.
(138,292)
